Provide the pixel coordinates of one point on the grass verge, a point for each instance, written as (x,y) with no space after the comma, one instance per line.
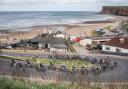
(68,63)
(23,51)
(6,83)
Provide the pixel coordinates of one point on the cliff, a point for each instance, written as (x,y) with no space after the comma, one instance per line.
(115,10)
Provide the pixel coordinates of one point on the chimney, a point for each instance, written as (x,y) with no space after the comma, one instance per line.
(122,40)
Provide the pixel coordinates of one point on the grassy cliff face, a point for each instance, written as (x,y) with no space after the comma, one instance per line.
(6,83)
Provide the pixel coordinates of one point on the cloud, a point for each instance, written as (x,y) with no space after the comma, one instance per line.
(60,1)
(16,5)
(9,2)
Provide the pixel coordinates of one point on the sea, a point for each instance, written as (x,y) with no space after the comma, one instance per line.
(33,18)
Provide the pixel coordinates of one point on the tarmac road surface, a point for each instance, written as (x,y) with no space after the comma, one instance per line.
(120,74)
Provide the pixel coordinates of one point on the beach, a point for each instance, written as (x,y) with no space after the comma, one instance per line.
(86,28)
(76,29)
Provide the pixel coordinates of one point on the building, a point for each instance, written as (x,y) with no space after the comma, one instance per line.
(116,45)
(90,40)
(60,36)
(49,42)
(85,42)
(36,41)
(59,48)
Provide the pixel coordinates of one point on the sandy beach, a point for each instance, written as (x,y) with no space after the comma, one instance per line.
(78,29)
(86,28)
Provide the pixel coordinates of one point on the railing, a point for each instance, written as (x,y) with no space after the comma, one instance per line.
(70,47)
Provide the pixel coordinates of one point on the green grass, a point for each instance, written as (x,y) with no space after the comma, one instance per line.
(94,33)
(6,83)
(68,63)
(23,51)
(108,27)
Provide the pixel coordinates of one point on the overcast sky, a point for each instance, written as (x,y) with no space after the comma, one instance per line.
(57,5)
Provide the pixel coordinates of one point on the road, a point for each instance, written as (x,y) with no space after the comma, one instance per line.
(118,75)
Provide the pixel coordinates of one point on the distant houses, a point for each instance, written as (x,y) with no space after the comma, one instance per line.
(59,35)
(47,41)
(51,42)
(116,45)
(85,42)
(97,40)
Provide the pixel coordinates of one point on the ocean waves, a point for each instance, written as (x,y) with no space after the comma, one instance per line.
(26,19)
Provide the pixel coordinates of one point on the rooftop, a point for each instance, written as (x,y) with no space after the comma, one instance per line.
(121,42)
(48,38)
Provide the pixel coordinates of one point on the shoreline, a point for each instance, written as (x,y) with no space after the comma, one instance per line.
(76,29)
(69,25)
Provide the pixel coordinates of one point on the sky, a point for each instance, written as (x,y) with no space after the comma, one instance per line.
(57,5)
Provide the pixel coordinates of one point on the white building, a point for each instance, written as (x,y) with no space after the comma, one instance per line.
(59,48)
(85,42)
(116,45)
(60,35)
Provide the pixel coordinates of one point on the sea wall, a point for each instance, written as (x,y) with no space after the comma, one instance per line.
(115,10)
